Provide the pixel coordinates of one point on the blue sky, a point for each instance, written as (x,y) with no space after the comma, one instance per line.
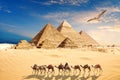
(28,17)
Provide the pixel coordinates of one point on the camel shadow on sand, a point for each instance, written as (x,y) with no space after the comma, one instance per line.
(40,77)
(62,77)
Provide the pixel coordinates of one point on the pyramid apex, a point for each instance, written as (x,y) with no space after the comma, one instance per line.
(81,32)
(65,23)
(48,24)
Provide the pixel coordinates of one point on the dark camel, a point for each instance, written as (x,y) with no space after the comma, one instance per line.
(86,67)
(42,68)
(60,67)
(67,68)
(50,67)
(35,68)
(76,67)
(97,67)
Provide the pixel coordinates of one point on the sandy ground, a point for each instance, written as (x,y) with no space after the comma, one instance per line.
(15,64)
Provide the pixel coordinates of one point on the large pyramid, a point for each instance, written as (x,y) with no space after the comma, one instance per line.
(66,29)
(87,39)
(48,33)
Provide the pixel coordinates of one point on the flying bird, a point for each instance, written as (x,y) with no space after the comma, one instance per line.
(98,17)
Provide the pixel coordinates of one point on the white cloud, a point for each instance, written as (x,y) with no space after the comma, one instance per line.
(115,28)
(109,9)
(69,2)
(111,14)
(81,17)
(105,37)
(4,9)
(8,11)
(17,30)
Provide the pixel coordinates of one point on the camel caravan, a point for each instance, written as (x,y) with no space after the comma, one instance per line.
(62,37)
(67,69)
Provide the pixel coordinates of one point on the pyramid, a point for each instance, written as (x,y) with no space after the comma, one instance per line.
(67,43)
(49,33)
(66,29)
(88,40)
(23,44)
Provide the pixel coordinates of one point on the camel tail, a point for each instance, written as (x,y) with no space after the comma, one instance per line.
(56,66)
(101,69)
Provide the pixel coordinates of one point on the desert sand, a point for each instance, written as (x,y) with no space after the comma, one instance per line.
(15,63)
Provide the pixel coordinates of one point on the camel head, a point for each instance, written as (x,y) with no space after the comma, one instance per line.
(92,65)
(45,65)
(81,65)
(72,67)
(55,66)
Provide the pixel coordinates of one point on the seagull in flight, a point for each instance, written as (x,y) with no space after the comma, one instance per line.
(98,17)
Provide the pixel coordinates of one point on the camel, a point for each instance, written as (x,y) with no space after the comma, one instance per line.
(35,68)
(67,68)
(97,67)
(50,67)
(60,67)
(42,68)
(76,67)
(86,67)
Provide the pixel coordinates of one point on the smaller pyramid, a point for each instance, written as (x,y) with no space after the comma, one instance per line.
(67,43)
(23,44)
(88,40)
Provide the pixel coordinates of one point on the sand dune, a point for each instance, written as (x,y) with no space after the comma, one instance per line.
(15,64)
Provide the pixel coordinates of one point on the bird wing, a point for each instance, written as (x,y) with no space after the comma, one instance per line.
(101,14)
(91,19)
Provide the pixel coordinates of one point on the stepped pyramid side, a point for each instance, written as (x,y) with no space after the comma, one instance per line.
(67,43)
(49,33)
(23,44)
(66,29)
(87,39)
(46,44)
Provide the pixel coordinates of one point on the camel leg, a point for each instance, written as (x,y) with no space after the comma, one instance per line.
(73,71)
(62,72)
(101,70)
(79,71)
(33,71)
(94,71)
(83,71)
(53,71)
(37,71)
(69,72)
(89,71)
(48,71)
